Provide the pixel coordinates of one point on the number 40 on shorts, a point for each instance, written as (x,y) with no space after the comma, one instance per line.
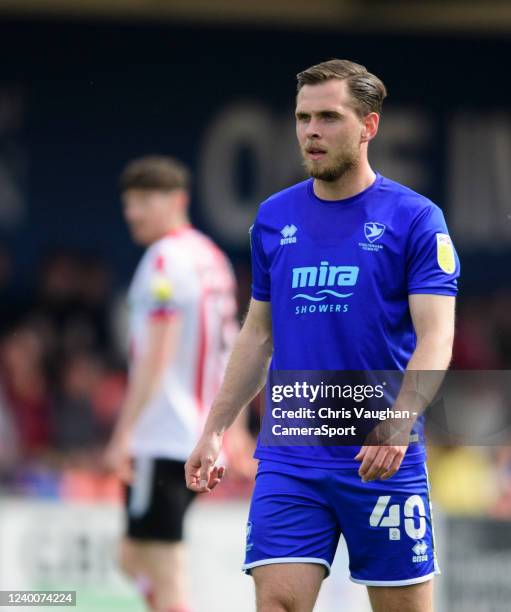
(413,529)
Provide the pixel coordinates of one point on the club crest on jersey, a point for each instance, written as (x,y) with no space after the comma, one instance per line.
(288,234)
(373,231)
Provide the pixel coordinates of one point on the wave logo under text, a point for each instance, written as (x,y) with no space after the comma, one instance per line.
(326,279)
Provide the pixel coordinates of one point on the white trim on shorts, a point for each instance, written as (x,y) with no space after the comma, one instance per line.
(141,486)
(391,583)
(248,566)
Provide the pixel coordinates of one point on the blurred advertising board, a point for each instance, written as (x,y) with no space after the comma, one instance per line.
(475,558)
(50,545)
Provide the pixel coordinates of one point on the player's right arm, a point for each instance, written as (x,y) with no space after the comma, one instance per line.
(146,378)
(244,377)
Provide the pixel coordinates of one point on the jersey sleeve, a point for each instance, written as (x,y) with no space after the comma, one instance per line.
(261,285)
(432,262)
(160,287)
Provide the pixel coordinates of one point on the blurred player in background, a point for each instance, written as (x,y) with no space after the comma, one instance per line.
(182,326)
(389,305)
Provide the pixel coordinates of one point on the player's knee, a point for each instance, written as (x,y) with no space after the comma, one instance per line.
(274,604)
(274,599)
(127,559)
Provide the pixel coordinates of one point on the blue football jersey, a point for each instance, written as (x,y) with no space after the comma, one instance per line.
(338,275)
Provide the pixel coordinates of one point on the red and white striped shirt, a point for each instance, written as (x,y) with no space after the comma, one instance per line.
(184,275)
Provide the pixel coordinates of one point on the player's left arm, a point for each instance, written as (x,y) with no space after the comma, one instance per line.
(433,321)
(146,377)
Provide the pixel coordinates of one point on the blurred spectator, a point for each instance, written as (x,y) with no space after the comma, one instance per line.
(26,389)
(10,310)
(76,428)
(474,347)
(107,399)
(71,309)
(93,297)
(501,509)
(85,406)
(501,336)
(9,451)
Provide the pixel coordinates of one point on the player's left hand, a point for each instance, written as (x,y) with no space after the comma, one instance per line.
(379,461)
(383,461)
(201,473)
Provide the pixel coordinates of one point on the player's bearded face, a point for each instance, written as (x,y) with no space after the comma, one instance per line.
(334,165)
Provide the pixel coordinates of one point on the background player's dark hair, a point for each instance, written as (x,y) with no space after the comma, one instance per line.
(155,172)
(367,90)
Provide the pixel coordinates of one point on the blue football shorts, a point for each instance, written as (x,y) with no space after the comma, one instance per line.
(297,515)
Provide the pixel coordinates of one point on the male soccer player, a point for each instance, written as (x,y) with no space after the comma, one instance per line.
(394,312)
(183,309)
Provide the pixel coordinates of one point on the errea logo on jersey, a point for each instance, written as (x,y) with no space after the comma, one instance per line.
(288,234)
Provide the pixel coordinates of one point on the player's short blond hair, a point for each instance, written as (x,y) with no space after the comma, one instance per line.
(366,89)
(155,173)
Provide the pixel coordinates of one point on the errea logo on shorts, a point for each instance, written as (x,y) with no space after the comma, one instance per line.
(420,549)
(288,234)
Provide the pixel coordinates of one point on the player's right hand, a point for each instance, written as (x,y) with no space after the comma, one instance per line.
(116,458)
(201,473)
